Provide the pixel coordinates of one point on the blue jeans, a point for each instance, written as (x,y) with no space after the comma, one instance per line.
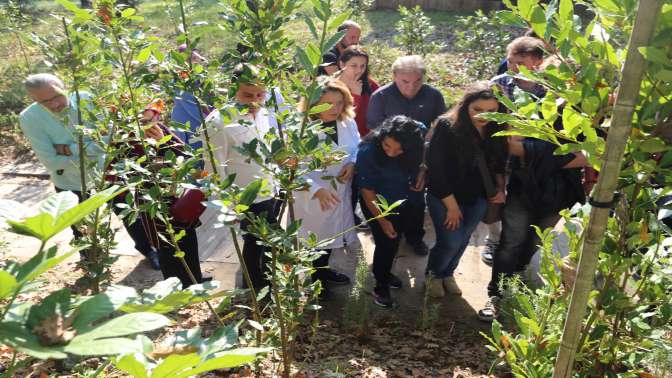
(450,244)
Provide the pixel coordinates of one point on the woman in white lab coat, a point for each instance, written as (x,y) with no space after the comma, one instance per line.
(324,209)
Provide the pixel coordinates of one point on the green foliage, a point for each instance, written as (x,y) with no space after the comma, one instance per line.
(357,8)
(414,31)
(59,212)
(482,39)
(357,311)
(629,312)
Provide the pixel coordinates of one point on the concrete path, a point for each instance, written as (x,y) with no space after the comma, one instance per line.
(20,195)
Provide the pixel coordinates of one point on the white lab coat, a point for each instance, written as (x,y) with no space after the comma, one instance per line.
(224,139)
(326,224)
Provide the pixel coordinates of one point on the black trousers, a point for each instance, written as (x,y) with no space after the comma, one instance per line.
(171,266)
(135,230)
(518,241)
(386,248)
(320,264)
(414,228)
(254,254)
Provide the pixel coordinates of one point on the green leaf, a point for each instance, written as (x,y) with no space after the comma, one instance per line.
(338,20)
(228,359)
(526,7)
(332,41)
(102,347)
(126,325)
(92,309)
(81,15)
(303,58)
(653,145)
(128,12)
(654,54)
(144,54)
(311,26)
(58,217)
(538,21)
(251,191)
(128,364)
(7,284)
(566,11)
(39,264)
(320,108)
(175,364)
(17,336)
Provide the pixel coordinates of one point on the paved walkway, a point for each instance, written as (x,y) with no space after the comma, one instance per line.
(19,196)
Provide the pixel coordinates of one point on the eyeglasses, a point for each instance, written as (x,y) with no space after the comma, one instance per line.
(50,100)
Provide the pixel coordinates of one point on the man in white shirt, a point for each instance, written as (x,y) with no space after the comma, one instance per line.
(244,128)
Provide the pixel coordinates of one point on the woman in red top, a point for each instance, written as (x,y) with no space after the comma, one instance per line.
(354,65)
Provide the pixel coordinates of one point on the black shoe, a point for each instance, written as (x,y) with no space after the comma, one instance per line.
(395,282)
(153,258)
(334,278)
(420,248)
(206,279)
(382,297)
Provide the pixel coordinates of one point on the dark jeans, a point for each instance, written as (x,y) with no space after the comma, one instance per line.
(414,227)
(450,244)
(253,253)
(518,241)
(171,266)
(386,248)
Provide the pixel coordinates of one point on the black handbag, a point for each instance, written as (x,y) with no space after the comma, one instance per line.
(493,213)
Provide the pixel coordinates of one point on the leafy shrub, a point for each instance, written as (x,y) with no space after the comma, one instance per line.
(482,39)
(357,8)
(415,29)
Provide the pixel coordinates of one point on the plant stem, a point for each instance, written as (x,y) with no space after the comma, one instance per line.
(284,342)
(256,313)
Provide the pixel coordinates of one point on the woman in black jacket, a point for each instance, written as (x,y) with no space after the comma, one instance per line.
(457,198)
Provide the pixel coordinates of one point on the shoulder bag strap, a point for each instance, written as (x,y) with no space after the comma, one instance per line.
(490,189)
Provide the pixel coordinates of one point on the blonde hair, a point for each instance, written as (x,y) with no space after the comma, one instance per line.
(334,85)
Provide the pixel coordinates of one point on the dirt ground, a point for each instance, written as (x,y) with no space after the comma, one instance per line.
(396,345)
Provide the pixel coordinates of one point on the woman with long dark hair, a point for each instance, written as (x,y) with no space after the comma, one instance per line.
(388,162)
(462,153)
(354,65)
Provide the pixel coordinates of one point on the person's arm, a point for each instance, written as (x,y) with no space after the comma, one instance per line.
(44,147)
(369,197)
(515,146)
(331,69)
(375,115)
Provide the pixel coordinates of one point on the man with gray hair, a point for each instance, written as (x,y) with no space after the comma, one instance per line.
(408,95)
(49,124)
(330,58)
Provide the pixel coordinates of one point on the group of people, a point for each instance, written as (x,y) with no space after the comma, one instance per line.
(399,141)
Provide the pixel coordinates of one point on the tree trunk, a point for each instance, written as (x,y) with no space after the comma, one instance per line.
(628,92)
